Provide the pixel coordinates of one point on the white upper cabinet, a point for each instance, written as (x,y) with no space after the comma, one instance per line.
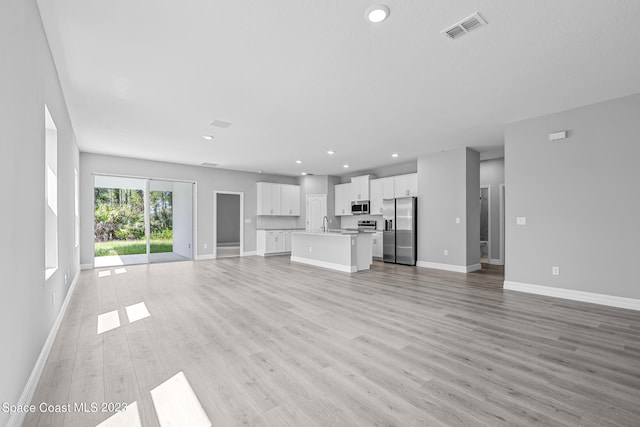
(290,203)
(278,199)
(406,185)
(376,196)
(269,198)
(360,188)
(342,199)
(381,189)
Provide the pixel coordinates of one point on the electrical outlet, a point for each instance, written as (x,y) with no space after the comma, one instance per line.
(309,248)
(205,246)
(457,220)
(53,299)
(555,270)
(521,220)
(446,252)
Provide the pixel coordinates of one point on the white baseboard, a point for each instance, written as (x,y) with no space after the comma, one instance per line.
(494,261)
(205,257)
(324,264)
(86,266)
(250,253)
(17,418)
(450,267)
(610,300)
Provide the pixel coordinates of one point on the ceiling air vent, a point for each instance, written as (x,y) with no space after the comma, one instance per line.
(209,165)
(220,124)
(458,30)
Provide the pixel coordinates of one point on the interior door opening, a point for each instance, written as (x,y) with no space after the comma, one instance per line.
(485,224)
(229,221)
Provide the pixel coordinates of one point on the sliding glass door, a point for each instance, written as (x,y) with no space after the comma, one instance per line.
(137,221)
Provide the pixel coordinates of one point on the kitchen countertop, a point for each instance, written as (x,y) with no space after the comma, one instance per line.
(279,229)
(332,233)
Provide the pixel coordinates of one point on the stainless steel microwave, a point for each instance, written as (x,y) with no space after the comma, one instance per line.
(360,208)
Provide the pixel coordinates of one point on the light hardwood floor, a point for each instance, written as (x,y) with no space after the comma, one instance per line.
(265,342)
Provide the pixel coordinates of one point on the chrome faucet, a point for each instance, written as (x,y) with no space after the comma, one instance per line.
(325,229)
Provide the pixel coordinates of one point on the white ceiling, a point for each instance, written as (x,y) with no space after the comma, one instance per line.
(144,78)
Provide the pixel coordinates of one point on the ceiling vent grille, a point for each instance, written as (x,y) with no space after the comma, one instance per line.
(468,24)
(209,165)
(220,124)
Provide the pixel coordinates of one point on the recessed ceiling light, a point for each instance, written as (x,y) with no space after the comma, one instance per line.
(303,173)
(394,155)
(377,13)
(207,137)
(259,171)
(345,166)
(331,152)
(298,161)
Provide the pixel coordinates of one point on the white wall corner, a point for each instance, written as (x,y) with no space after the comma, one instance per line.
(17,418)
(570,294)
(449,267)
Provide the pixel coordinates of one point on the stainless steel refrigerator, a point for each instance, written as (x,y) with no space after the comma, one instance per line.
(399,235)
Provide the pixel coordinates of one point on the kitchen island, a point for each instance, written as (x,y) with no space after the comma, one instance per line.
(338,250)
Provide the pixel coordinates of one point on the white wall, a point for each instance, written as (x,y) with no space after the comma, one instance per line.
(315,185)
(580,197)
(183,218)
(208,181)
(397,167)
(472,221)
(449,188)
(28,309)
(492,175)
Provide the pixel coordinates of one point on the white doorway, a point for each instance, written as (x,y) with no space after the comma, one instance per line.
(316,211)
(228,223)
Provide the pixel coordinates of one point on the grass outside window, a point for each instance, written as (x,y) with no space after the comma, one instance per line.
(131,247)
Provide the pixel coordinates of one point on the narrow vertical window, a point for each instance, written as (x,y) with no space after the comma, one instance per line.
(77,206)
(51,195)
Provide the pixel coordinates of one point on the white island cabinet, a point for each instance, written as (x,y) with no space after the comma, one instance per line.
(348,252)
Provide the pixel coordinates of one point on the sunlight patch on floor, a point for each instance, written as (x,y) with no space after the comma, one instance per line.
(127,418)
(177,404)
(108,321)
(137,312)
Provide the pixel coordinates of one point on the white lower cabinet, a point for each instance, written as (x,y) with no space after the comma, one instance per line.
(287,241)
(270,242)
(376,245)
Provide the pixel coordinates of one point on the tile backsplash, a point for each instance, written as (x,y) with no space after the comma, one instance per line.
(275,222)
(352,221)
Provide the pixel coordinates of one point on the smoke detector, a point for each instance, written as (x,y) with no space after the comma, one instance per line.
(465,26)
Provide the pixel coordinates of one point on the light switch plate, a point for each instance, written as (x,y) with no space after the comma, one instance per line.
(457,220)
(247,221)
(555,271)
(521,220)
